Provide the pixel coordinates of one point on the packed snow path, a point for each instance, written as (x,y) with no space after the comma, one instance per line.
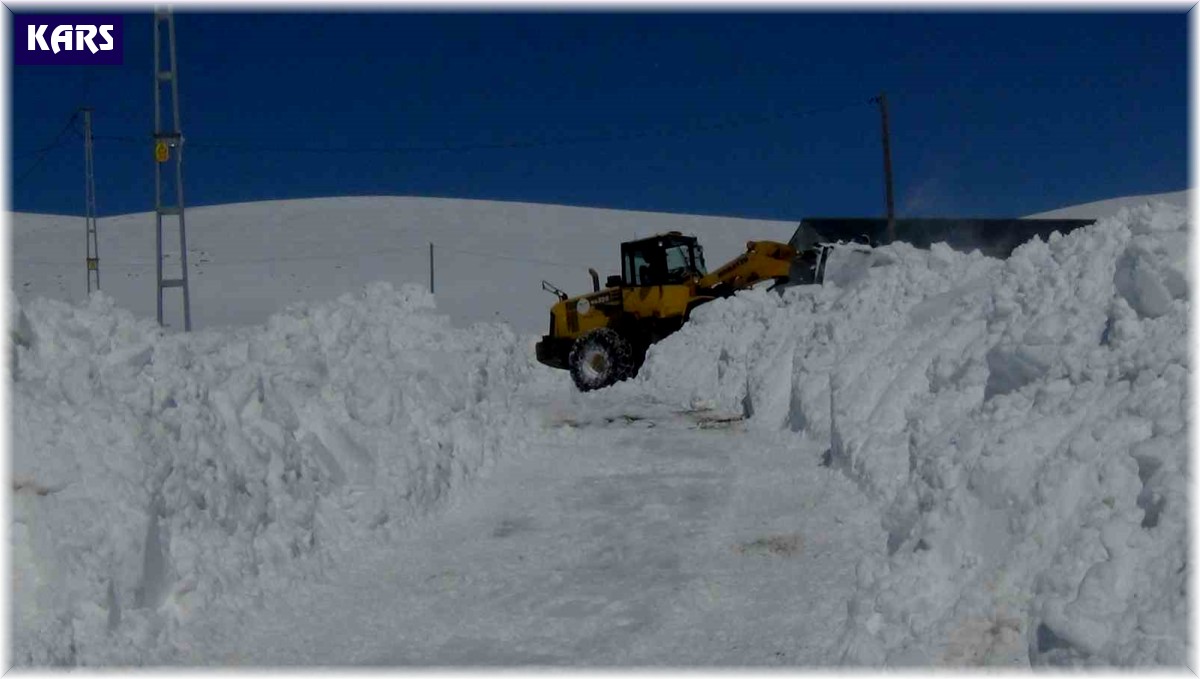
(665,539)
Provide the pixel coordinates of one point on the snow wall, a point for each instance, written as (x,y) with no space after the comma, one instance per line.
(158,474)
(1021,425)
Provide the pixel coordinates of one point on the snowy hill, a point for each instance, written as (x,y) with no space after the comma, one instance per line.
(1109,207)
(250,260)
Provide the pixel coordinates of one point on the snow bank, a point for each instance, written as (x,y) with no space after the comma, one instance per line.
(1021,425)
(156,475)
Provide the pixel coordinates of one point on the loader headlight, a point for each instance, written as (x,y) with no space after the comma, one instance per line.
(583,306)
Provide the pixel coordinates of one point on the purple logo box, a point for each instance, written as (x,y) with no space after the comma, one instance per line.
(68,40)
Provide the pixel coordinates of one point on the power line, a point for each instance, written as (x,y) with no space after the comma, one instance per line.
(532,144)
(45,150)
(728,124)
(333,256)
(39,151)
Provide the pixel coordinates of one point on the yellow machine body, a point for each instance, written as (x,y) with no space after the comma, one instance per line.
(663,278)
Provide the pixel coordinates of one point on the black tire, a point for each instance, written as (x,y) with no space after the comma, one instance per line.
(600,358)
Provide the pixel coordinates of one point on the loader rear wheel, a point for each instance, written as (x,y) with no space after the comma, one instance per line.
(600,358)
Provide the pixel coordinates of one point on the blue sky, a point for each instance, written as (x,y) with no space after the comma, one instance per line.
(755,115)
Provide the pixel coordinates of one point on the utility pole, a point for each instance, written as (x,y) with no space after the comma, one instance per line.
(887,164)
(167,139)
(431,268)
(89,202)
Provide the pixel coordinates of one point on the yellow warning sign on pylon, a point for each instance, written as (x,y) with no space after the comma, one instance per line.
(93,264)
(161,152)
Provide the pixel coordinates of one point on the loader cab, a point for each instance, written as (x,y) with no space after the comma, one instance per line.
(666,259)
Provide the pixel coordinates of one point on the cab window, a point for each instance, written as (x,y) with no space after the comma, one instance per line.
(637,269)
(679,263)
(701,268)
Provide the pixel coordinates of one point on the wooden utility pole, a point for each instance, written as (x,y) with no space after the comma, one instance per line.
(887,164)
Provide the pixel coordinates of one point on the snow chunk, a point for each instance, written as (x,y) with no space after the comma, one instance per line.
(157,475)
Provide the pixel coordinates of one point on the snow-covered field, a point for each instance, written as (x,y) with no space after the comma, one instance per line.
(940,459)
(248,261)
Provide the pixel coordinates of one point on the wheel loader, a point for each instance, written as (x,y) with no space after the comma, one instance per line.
(602,336)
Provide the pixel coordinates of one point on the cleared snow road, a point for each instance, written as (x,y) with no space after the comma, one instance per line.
(663,540)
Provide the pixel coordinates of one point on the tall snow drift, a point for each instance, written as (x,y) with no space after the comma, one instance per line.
(1021,424)
(159,474)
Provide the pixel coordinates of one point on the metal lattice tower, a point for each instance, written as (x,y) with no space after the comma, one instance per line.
(89,199)
(168,143)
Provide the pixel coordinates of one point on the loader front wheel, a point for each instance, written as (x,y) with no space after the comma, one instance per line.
(600,358)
